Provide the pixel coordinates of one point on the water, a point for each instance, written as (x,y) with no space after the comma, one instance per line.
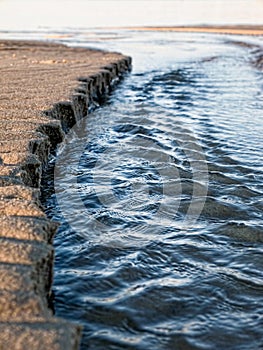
(160,193)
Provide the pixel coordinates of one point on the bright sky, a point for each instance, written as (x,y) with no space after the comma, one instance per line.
(32,14)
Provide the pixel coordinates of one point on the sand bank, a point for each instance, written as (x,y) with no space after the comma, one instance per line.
(45,88)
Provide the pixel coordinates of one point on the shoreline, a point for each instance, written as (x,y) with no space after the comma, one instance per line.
(45,89)
(216,29)
(235,29)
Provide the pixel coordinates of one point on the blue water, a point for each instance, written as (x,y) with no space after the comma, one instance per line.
(160,196)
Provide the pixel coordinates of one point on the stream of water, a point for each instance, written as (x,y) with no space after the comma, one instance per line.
(160,194)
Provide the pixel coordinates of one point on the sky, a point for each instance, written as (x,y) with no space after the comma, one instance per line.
(35,14)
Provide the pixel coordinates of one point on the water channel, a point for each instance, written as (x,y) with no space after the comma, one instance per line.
(160,192)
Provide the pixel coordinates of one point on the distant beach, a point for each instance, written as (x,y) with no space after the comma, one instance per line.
(233,29)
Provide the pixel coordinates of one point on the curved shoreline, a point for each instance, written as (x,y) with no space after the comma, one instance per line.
(45,89)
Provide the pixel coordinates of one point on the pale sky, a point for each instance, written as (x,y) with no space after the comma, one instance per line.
(33,14)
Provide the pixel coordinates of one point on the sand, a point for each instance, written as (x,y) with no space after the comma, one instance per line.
(45,89)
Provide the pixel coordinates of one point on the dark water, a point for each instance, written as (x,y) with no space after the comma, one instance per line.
(161,192)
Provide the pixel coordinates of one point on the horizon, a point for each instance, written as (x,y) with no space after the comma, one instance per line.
(70,14)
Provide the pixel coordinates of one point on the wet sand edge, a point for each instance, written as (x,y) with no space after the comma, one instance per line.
(45,89)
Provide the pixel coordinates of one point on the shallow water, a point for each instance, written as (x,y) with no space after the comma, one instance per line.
(161,194)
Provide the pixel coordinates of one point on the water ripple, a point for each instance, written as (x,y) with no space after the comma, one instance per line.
(161,246)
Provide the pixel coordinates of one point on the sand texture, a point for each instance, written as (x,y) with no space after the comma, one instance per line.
(45,88)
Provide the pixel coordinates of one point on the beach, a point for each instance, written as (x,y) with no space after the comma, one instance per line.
(46,88)
(216,29)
